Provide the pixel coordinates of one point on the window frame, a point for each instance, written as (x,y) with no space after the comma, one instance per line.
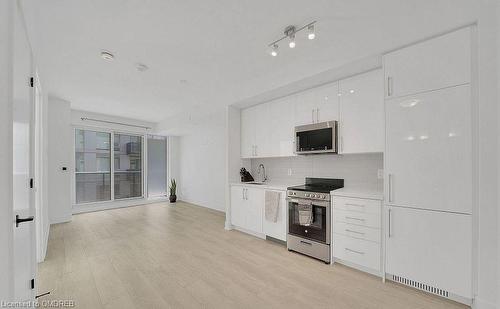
(112,132)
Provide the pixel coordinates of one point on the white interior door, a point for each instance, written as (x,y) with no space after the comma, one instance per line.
(23,198)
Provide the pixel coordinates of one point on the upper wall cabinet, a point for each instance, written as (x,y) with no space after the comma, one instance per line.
(267,129)
(362,113)
(317,105)
(248,132)
(434,64)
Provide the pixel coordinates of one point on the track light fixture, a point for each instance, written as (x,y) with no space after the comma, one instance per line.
(311,34)
(290,33)
(274,51)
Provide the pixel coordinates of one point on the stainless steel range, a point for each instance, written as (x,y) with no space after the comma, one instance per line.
(309,220)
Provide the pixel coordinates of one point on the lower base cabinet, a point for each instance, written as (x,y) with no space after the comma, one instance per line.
(248,212)
(357,233)
(430,250)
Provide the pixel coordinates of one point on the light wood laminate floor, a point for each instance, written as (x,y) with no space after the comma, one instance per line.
(180,256)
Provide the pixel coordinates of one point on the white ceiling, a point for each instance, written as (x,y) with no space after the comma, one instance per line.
(218,46)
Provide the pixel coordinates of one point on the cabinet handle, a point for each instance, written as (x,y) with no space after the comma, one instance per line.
(390,222)
(317,114)
(355,232)
(243,193)
(357,219)
(255,150)
(354,251)
(389,86)
(390,187)
(246,194)
(312,116)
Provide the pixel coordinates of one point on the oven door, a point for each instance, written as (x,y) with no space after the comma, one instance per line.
(319,229)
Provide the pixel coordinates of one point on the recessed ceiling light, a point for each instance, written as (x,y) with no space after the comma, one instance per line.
(183,81)
(106,55)
(141,67)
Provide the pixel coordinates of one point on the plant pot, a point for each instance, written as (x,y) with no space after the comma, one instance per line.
(172,198)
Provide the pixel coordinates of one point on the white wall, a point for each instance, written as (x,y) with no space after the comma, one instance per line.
(173,159)
(487,296)
(59,155)
(202,162)
(357,170)
(6,217)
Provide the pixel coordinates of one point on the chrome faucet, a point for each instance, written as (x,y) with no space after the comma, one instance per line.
(264,177)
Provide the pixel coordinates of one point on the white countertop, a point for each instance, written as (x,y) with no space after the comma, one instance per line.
(360,192)
(265,185)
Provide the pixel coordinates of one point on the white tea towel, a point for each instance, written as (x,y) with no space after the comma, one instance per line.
(272,205)
(305,213)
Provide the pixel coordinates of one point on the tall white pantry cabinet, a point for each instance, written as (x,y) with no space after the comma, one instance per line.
(428,165)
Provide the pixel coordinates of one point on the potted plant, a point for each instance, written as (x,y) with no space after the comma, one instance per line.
(173,189)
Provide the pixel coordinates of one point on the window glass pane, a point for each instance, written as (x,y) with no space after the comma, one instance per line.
(128,166)
(157,166)
(93,166)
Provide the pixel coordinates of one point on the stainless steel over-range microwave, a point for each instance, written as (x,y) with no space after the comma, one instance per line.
(316,138)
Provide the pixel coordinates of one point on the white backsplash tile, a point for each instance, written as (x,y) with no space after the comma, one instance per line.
(355,169)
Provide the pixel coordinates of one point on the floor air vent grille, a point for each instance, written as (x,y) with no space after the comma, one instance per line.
(421,286)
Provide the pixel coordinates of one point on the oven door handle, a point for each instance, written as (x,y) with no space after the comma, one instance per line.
(323,204)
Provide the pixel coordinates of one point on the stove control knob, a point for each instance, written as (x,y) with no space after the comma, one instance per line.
(315,195)
(322,196)
(306,195)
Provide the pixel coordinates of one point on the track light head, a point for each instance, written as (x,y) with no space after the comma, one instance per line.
(311,35)
(274,51)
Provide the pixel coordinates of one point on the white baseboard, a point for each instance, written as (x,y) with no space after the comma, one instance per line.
(199,204)
(62,219)
(481,304)
(258,235)
(45,243)
(77,209)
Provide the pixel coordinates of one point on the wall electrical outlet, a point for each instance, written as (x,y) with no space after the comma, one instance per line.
(289,172)
(380,174)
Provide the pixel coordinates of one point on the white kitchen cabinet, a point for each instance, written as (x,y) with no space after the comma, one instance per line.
(267,129)
(317,105)
(277,229)
(246,208)
(280,127)
(361,125)
(433,249)
(262,133)
(248,132)
(429,150)
(254,206)
(357,233)
(305,108)
(327,102)
(433,64)
(238,206)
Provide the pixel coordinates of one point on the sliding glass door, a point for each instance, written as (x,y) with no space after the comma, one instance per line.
(96,178)
(128,166)
(92,166)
